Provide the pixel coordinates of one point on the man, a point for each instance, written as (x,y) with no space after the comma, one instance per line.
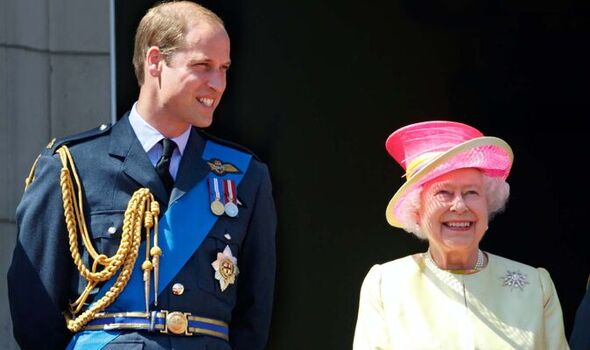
(93,266)
(580,339)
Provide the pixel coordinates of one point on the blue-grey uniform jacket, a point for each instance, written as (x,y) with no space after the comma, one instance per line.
(112,165)
(580,337)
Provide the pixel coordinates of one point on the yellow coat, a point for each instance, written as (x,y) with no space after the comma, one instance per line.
(410,303)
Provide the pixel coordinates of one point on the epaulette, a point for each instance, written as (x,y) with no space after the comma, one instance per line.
(206,135)
(54,144)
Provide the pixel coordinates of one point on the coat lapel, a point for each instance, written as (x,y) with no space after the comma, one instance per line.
(136,164)
(192,169)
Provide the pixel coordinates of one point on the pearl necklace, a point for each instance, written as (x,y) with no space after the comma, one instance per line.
(479,264)
(481,259)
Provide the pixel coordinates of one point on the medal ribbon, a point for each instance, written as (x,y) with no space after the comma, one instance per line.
(230,189)
(214,193)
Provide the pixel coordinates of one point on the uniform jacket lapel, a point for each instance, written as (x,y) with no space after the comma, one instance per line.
(192,169)
(136,164)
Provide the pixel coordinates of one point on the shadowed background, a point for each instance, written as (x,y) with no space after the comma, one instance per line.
(317,86)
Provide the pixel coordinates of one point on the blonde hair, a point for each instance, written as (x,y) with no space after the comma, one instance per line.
(497,192)
(165,26)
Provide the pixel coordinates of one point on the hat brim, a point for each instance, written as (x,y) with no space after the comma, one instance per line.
(421,176)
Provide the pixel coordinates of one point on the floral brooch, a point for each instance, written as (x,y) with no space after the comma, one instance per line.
(514,279)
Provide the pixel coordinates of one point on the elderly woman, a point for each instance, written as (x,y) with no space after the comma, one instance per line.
(454,296)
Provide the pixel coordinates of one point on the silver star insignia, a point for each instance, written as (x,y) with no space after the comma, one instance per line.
(514,279)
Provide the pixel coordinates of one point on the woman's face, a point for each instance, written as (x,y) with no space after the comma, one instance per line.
(454,211)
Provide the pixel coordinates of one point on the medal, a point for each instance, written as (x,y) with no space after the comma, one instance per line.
(231,209)
(216,206)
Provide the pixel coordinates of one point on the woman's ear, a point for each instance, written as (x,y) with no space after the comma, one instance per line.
(416,222)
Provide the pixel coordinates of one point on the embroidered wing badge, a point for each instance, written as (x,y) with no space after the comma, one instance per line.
(220,168)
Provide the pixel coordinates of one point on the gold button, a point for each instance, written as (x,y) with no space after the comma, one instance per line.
(176,322)
(177,289)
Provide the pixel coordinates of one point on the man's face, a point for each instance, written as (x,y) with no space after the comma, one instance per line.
(194,79)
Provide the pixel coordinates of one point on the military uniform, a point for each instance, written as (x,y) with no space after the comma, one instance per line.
(112,165)
(580,338)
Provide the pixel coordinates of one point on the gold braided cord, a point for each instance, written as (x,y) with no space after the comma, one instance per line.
(31,177)
(140,213)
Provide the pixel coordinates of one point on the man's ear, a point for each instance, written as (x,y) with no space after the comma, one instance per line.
(154,61)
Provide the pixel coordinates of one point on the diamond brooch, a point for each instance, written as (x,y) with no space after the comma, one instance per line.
(514,279)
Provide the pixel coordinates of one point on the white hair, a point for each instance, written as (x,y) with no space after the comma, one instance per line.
(497,192)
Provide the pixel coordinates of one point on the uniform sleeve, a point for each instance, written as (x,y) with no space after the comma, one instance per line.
(39,275)
(251,317)
(580,338)
(554,330)
(370,332)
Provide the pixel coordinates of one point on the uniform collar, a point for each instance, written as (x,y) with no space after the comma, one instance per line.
(149,136)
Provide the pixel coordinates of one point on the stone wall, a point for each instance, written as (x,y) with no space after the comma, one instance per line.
(54,81)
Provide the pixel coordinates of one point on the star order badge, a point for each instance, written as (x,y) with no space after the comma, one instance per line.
(226,268)
(514,279)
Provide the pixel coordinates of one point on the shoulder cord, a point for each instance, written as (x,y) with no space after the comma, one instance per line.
(31,177)
(142,211)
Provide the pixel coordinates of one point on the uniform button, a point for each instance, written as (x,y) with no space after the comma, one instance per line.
(227,236)
(112,230)
(102,127)
(177,289)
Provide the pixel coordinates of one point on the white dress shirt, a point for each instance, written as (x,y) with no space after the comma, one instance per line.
(149,138)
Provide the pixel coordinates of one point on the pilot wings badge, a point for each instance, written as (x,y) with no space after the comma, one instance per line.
(220,168)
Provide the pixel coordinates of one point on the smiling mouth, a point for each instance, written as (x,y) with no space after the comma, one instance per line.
(208,102)
(458,225)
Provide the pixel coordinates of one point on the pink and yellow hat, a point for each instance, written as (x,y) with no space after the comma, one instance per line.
(430,149)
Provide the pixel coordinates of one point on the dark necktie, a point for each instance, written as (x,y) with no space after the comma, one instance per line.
(163,164)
